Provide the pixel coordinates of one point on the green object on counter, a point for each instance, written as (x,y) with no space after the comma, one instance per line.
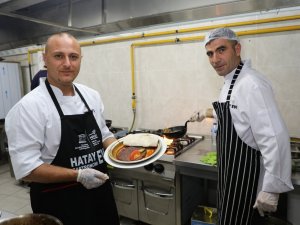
(210,158)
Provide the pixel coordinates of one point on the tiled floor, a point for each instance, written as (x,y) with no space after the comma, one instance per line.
(14,196)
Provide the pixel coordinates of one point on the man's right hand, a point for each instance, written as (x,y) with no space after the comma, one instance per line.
(201,115)
(91,178)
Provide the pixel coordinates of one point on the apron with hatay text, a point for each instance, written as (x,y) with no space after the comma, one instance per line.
(238,168)
(80,147)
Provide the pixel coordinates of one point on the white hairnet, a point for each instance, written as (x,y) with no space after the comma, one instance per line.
(225,33)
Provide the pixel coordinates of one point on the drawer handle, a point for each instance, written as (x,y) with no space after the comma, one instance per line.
(123,186)
(158,194)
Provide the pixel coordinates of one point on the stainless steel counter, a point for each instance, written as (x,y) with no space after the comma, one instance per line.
(188,163)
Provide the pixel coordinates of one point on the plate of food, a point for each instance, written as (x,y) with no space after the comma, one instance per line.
(122,153)
(135,150)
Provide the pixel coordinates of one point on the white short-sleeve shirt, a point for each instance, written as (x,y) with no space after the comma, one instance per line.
(33,125)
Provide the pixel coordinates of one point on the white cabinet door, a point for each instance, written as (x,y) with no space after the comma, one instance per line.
(4,87)
(10,89)
(14,92)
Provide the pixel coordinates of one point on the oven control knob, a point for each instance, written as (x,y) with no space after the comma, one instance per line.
(149,167)
(159,168)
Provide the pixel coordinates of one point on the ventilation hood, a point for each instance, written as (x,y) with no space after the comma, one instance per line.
(30,22)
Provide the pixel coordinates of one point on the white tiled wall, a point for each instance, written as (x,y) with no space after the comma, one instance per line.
(174,80)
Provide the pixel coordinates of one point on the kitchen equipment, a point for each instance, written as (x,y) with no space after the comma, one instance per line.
(148,193)
(175,132)
(118,132)
(32,219)
(108,123)
(295,152)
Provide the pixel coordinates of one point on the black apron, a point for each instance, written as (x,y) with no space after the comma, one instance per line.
(238,168)
(80,147)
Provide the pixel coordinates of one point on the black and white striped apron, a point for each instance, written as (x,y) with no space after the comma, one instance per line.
(238,168)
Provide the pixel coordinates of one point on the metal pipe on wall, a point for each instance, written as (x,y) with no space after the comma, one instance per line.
(198,38)
(186,30)
(185,39)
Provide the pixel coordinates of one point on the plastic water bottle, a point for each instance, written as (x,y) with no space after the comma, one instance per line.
(214,129)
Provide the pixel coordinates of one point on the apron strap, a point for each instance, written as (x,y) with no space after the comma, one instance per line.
(54,98)
(80,95)
(235,76)
(56,102)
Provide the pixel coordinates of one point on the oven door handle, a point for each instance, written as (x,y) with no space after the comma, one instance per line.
(123,185)
(158,194)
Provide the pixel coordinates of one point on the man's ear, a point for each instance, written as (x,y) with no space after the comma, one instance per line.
(238,49)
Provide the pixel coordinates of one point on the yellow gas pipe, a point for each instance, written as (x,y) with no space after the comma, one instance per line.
(185,39)
(132,86)
(195,38)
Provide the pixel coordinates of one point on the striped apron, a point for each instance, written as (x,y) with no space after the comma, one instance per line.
(238,168)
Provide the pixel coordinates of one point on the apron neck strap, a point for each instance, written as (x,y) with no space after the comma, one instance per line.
(235,76)
(56,102)
(80,95)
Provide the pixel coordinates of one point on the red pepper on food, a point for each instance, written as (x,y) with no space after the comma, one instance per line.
(135,155)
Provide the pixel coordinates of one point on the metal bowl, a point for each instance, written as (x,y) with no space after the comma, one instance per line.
(32,219)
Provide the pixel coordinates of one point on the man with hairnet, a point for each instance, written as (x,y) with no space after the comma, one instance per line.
(253,145)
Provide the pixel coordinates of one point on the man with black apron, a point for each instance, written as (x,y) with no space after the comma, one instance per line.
(253,155)
(60,149)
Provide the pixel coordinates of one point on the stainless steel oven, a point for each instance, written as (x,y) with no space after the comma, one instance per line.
(148,194)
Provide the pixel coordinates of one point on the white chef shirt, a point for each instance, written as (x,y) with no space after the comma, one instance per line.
(33,125)
(258,123)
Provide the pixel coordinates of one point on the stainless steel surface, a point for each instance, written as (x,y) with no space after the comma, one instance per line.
(27,22)
(194,178)
(149,194)
(188,166)
(189,163)
(32,219)
(143,195)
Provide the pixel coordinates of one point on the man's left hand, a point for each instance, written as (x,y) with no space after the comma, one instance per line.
(266,202)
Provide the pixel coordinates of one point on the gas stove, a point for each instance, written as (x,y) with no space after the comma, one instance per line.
(149,193)
(119,132)
(175,146)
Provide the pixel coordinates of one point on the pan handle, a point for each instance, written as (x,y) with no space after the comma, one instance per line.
(185,125)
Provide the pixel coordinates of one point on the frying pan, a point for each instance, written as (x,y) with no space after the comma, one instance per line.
(175,132)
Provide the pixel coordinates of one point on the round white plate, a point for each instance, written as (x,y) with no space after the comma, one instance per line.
(120,141)
(160,152)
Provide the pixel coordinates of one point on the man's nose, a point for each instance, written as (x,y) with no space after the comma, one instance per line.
(215,58)
(67,61)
